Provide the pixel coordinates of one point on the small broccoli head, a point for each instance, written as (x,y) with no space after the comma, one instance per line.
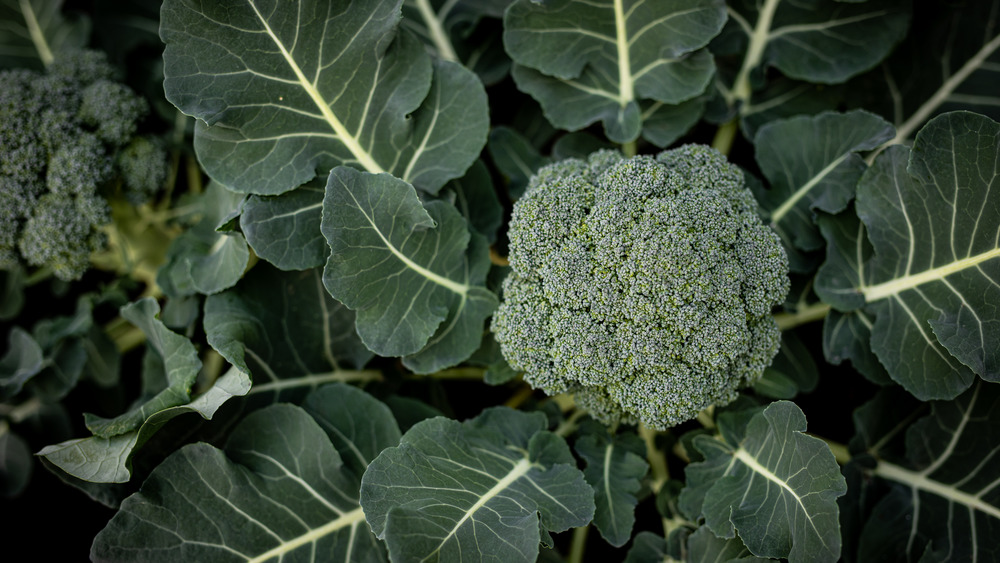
(143,168)
(644,286)
(60,234)
(113,110)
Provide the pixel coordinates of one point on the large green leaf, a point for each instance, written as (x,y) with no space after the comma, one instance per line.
(32,32)
(515,157)
(496,485)
(812,40)
(812,162)
(180,361)
(933,222)
(947,62)
(287,91)
(942,503)
(285,330)
(775,486)
(109,459)
(594,61)
(615,466)
(705,547)
(408,270)
(284,229)
(281,490)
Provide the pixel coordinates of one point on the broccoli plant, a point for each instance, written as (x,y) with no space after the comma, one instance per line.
(506,280)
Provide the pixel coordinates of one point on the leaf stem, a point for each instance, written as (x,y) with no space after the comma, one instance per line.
(725,135)
(467,372)
(35,30)
(578,544)
(759,38)
(568,426)
(20,413)
(630,149)
(316,379)
(803,315)
(840,451)
(436,28)
(659,471)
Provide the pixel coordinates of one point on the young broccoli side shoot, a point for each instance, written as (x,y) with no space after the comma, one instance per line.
(67,134)
(643,286)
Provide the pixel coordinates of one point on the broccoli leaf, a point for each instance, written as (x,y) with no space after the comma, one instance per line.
(34,31)
(963,41)
(942,502)
(812,162)
(180,360)
(495,484)
(24,359)
(282,487)
(615,465)
(797,38)
(284,229)
(594,61)
(515,157)
(405,268)
(931,282)
(462,31)
(109,459)
(284,94)
(705,547)
(774,470)
(203,259)
(285,330)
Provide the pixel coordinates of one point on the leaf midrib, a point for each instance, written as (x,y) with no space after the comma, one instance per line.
(347,519)
(898,285)
(364,158)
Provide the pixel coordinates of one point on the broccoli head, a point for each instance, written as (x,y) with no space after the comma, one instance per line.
(62,131)
(643,286)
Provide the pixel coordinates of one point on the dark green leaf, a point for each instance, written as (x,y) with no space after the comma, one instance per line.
(647,547)
(35,31)
(284,229)
(811,162)
(409,272)
(943,503)
(931,282)
(793,371)
(179,358)
(452,491)
(705,547)
(777,471)
(286,95)
(615,466)
(204,259)
(279,490)
(22,361)
(286,332)
(594,61)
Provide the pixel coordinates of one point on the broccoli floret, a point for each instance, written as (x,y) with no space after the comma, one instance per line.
(643,286)
(143,168)
(113,110)
(60,234)
(61,131)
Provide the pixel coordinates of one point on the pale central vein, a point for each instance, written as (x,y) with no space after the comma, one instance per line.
(751,462)
(348,519)
(625,86)
(899,285)
(520,469)
(352,144)
(458,288)
(920,482)
(789,204)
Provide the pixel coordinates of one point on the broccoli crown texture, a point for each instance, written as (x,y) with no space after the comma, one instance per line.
(643,286)
(61,132)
